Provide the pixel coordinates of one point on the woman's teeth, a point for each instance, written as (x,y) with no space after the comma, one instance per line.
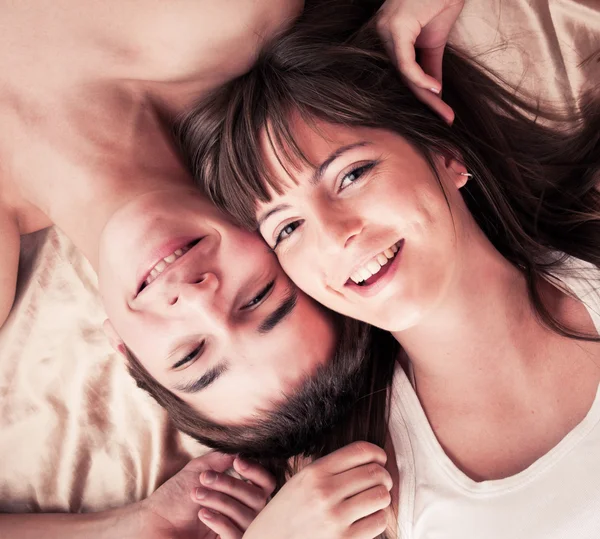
(164,263)
(373,266)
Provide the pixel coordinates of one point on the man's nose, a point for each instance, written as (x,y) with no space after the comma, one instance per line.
(198,296)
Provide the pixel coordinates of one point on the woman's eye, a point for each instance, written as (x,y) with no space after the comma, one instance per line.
(262,294)
(286,232)
(354,175)
(190,357)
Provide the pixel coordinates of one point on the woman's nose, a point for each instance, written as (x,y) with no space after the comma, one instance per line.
(339,231)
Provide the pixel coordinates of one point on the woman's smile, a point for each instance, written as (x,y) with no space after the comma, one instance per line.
(370,278)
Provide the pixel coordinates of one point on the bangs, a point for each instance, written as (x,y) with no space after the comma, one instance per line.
(315,73)
(224,138)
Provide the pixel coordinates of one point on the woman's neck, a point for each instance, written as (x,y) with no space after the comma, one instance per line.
(485,331)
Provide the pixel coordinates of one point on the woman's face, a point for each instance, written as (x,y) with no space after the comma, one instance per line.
(366,231)
(206,307)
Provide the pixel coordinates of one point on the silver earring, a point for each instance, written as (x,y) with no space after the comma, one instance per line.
(467,174)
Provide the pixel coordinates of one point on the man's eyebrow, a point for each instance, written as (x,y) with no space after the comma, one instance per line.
(210,376)
(285,308)
(318,174)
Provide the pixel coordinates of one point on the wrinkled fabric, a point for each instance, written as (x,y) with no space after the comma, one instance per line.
(75,432)
(547,48)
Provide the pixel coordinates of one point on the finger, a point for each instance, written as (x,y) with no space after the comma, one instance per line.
(433,101)
(213,460)
(430,60)
(369,527)
(399,41)
(360,479)
(255,473)
(219,524)
(351,456)
(238,513)
(408,66)
(364,504)
(250,495)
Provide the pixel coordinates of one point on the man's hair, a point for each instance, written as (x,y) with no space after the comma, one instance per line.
(342,401)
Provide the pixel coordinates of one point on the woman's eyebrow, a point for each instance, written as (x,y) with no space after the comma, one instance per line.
(316,177)
(268,214)
(284,309)
(318,174)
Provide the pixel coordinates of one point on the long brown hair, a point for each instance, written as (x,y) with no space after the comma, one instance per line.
(534,190)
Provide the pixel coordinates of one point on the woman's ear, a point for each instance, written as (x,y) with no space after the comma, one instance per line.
(454,170)
(113,338)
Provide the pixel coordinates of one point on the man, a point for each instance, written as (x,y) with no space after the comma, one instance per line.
(82,102)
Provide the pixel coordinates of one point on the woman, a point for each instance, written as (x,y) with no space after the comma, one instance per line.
(476,245)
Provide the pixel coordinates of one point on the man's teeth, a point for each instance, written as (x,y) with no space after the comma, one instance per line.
(373,266)
(164,263)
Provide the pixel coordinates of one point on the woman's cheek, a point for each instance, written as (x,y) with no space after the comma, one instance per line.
(296,263)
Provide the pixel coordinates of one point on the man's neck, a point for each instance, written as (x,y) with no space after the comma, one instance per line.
(130,155)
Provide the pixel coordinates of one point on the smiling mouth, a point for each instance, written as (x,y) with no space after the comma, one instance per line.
(165,262)
(375,268)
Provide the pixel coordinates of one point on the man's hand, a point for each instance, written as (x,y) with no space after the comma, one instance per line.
(228,505)
(424,25)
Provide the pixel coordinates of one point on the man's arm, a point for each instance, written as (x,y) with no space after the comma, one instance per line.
(9,262)
(125,523)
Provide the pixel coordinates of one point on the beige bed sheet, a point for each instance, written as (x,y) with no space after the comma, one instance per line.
(75,433)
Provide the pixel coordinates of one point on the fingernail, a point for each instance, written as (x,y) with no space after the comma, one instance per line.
(209,477)
(242,464)
(201,493)
(207,514)
(435,91)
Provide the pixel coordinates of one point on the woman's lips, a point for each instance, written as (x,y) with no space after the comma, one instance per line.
(373,284)
(374,265)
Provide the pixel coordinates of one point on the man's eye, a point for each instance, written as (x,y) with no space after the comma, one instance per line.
(190,357)
(258,299)
(355,174)
(286,232)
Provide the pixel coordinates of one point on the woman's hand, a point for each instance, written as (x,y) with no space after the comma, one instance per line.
(228,504)
(342,495)
(406,25)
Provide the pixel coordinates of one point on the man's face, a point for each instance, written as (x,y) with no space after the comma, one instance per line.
(205,306)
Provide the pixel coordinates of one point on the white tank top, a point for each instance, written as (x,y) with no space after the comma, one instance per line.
(557,497)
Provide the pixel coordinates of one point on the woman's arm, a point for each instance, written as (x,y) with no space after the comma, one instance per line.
(9,262)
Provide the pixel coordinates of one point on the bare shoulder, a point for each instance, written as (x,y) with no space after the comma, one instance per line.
(9,262)
(187,38)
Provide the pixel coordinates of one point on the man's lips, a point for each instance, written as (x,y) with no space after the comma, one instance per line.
(157,256)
